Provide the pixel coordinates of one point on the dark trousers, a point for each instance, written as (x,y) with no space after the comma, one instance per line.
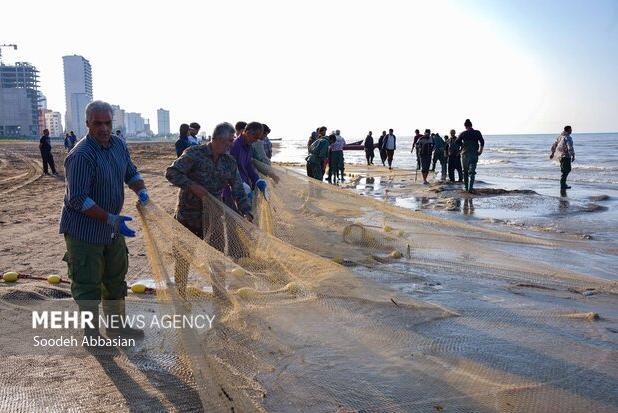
(48,162)
(454,164)
(383,155)
(389,156)
(315,170)
(468,162)
(335,164)
(439,156)
(369,155)
(565,168)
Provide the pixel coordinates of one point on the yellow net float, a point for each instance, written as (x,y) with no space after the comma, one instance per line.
(10,277)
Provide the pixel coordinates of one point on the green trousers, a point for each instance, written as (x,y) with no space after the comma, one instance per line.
(97,271)
(317,170)
(468,162)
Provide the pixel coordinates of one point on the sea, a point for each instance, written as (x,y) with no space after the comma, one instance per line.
(520,163)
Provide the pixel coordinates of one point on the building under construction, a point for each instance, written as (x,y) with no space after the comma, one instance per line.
(19,95)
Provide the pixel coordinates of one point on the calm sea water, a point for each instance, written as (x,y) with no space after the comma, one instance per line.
(509,156)
(521,162)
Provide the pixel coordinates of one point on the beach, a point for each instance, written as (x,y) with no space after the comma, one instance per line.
(549,342)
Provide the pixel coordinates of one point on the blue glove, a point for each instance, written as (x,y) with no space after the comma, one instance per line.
(143,196)
(118,222)
(261,185)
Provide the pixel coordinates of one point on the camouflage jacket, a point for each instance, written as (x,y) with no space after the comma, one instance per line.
(196,165)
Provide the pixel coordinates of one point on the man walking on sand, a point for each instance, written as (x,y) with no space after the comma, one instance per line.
(46,155)
(417,136)
(390,145)
(438,155)
(563,146)
(369,146)
(453,154)
(381,148)
(424,149)
(97,257)
(472,143)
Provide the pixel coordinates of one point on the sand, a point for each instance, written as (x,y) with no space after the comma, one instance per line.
(139,379)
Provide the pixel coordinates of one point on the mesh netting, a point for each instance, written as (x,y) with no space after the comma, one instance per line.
(314,313)
(299,330)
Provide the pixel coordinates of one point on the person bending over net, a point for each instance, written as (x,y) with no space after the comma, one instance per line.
(318,155)
(199,171)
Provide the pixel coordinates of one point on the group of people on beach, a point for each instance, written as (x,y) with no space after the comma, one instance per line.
(99,165)
(225,168)
(455,153)
(325,150)
(387,144)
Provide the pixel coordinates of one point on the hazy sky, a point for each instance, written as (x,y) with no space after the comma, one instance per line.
(512,67)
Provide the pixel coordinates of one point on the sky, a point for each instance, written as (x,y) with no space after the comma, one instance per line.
(512,67)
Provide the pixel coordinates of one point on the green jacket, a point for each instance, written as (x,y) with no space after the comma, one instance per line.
(318,151)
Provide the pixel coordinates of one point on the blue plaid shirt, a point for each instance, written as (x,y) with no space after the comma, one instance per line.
(95,175)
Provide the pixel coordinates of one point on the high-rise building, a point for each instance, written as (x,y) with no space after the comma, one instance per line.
(42,113)
(78,92)
(119,120)
(42,101)
(163,122)
(53,122)
(19,100)
(134,123)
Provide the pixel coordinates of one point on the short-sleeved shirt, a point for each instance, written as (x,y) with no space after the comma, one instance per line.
(98,173)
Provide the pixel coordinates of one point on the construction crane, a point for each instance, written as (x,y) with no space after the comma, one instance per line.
(14,46)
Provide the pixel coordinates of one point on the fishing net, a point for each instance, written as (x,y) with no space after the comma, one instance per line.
(302,326)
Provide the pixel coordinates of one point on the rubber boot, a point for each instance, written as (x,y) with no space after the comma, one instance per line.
(471,184)
(118,308)
(88,331)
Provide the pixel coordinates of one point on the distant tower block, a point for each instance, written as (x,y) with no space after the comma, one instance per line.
(78,92)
